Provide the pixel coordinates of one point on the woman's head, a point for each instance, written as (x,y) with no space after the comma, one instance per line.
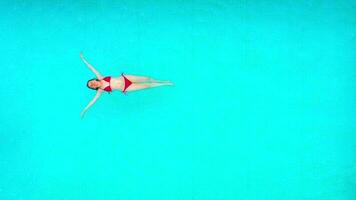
(93,84)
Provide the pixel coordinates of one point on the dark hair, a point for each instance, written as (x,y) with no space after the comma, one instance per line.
(92,80)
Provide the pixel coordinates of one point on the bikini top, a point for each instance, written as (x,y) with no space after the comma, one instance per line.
(107,88)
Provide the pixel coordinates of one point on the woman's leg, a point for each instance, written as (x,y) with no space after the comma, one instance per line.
(143,79)
(138,79)
(140,86)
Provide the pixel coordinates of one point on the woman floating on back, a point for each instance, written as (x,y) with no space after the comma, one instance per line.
(124,83)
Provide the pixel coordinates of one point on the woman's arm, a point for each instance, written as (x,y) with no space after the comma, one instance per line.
(98,93)
(97,74)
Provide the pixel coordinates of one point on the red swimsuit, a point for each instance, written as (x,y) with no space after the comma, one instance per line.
(107,88)
(127,83)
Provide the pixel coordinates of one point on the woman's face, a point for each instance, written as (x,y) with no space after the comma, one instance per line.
(94,84)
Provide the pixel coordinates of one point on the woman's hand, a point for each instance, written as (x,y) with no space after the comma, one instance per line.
(82,114)
(96,97)
(97,74)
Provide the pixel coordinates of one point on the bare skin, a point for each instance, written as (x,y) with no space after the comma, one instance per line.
(118,83)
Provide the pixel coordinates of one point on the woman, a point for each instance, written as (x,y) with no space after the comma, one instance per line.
(124,83)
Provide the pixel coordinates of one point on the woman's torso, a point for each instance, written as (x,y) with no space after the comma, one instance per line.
(109,83)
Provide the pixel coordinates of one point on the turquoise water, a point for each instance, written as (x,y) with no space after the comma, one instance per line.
(263,105)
